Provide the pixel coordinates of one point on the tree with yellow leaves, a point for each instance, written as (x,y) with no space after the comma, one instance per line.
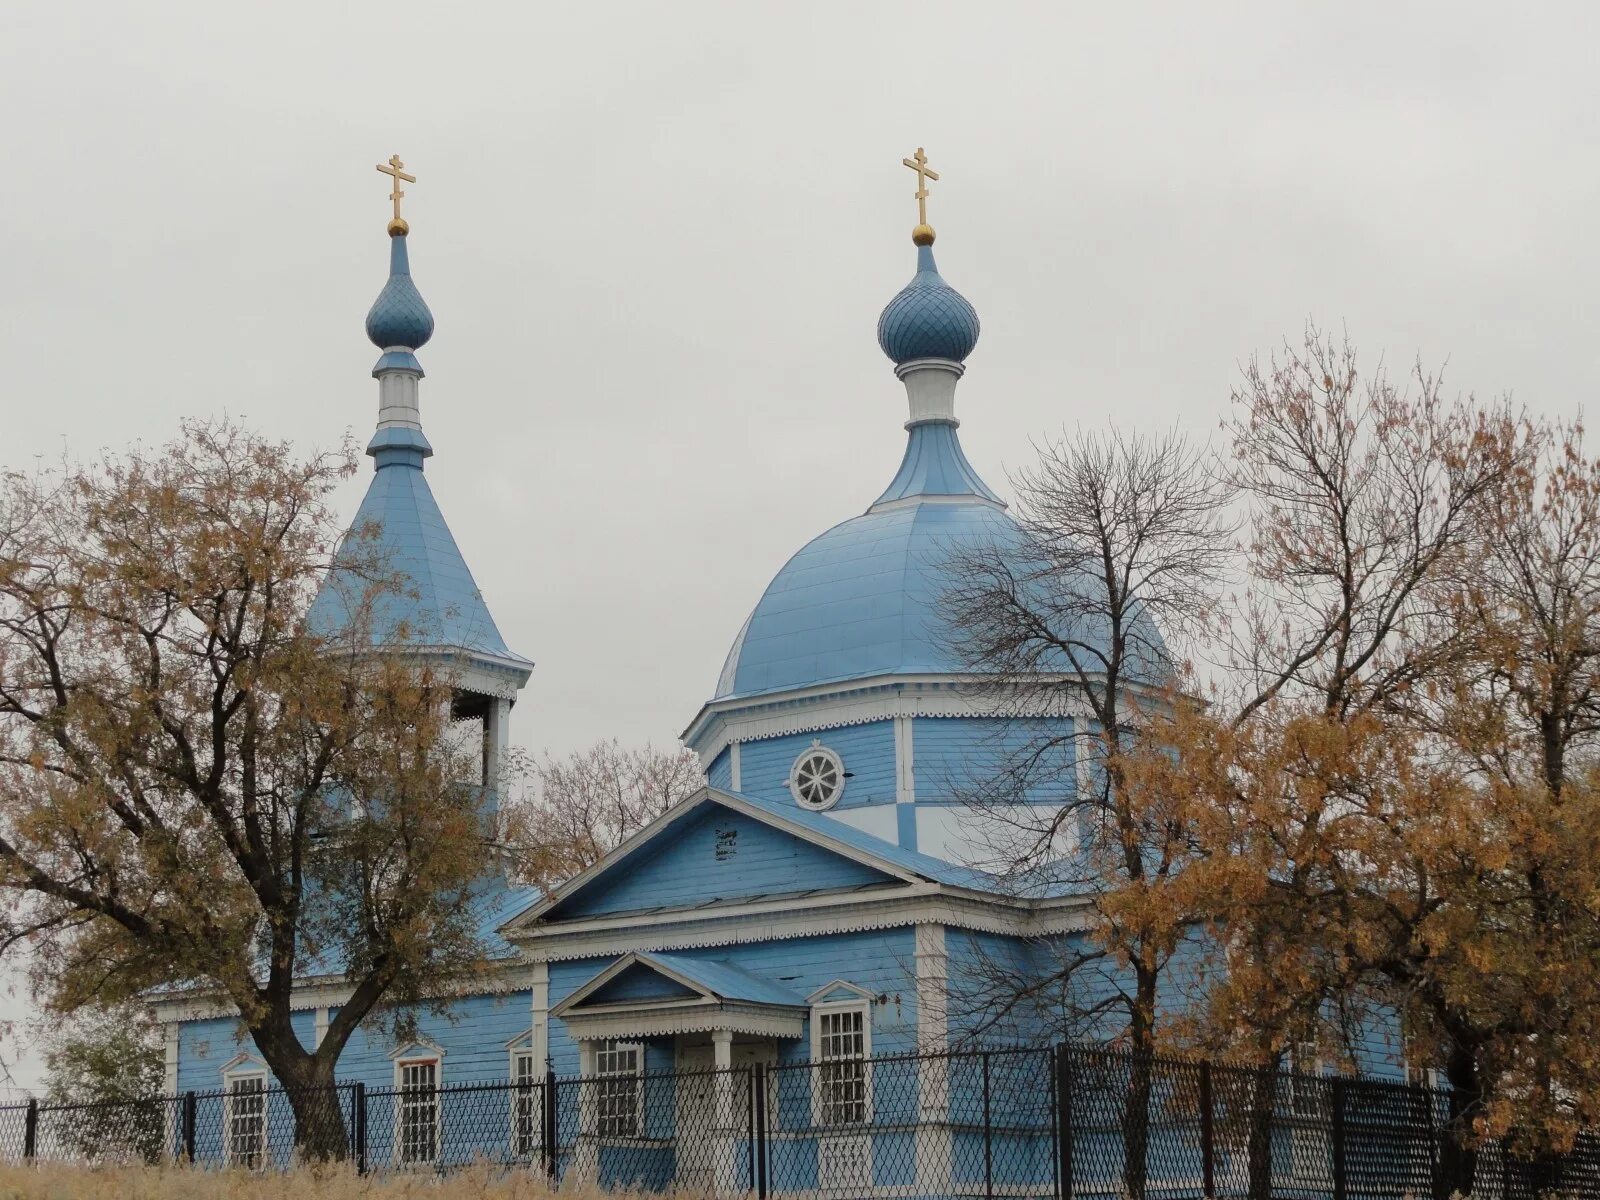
(197,792)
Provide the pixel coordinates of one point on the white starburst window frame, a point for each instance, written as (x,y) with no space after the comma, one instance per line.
(816,780)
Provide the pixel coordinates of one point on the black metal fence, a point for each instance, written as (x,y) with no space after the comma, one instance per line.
(1065,1122)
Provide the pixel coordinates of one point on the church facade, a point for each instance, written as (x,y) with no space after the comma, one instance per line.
(815,901)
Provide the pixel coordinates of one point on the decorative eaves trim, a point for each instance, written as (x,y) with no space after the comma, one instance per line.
(622,937)
(881,698)
(754,1020)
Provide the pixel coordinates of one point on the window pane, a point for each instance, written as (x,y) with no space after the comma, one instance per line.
(842,1074)
(247,1121)
(419,1111)
(617,1089)
(525,1114)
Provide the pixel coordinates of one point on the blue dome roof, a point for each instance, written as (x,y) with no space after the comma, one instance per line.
(860,600)
(928,319)
(399,316)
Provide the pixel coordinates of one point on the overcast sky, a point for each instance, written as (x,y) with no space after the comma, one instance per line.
(656,240)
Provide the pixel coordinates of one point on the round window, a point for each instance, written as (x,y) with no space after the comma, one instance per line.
(817,779)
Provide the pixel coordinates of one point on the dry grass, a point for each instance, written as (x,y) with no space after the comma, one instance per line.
(157,1183)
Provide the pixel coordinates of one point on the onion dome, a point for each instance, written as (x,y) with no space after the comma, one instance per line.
(399,316)
(929,318)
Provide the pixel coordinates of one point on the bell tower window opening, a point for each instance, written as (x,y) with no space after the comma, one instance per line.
(470,735)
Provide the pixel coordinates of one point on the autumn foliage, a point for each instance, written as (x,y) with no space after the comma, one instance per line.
(1364,781)
(200,792)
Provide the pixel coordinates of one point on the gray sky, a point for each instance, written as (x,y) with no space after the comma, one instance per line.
(656,240)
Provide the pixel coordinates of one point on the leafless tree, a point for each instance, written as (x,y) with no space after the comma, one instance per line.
(579,807)
(1123,546)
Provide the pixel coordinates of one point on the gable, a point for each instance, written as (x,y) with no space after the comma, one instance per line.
(715,855)
(640,982)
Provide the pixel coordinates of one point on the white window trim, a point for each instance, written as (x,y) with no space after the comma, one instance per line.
(818,1011)
(534,1094)
(248,1069)
(415,1054)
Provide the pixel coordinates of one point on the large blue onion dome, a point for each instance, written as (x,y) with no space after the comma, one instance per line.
(399,316)
(867,599)
(929,318)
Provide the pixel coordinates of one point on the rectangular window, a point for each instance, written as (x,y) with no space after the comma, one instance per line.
(419,1111)
(525,1098)
(842,1069)
(618,1067)
(247,1121)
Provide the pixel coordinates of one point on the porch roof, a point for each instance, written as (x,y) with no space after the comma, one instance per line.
(688,993)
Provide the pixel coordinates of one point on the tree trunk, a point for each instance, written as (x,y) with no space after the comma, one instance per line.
(1136,1126)
(1136,1114)
(1458,1154)
(309,1085)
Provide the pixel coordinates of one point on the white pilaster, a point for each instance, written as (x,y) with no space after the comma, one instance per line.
(540,1014)
(736,779)
(169,1041)
(905,780)
(722,1097)
(933,1144)
(319,1026)
(586,1153)
(498,724)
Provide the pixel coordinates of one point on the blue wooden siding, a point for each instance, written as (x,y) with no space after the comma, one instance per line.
(717,855)
(720,773)
(472,1031)
(956,758)
(867,751)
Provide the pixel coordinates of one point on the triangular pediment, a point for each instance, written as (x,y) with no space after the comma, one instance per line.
(642,981)
(837,991)
(713,850)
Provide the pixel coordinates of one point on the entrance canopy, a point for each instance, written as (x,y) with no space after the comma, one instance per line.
(652,995)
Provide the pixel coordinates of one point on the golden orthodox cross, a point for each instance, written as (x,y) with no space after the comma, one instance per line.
(393,169)
(924,173)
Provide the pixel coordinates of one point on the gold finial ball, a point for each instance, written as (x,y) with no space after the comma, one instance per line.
(398,226)
(922,235)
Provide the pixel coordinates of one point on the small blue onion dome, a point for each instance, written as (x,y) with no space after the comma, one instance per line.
(928,319)
(399,316)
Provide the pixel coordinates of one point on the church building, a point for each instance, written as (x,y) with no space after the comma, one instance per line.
(816,901)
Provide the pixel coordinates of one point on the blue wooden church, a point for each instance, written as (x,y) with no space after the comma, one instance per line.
(815,901)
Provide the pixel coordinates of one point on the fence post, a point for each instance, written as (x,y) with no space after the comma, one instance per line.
(1208,1133)
(547,1121)
(1063,1086)
(189,1109)
(30,1129)
(988,1136)
(762,1117)
(358,1117)
(750,1129)
(1340,1183)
